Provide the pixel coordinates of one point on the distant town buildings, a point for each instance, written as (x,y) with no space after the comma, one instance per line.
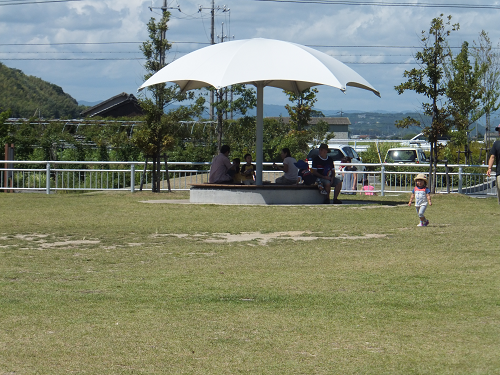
(338,125)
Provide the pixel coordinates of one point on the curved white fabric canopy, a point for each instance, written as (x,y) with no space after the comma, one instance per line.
(260,62)
(274,63)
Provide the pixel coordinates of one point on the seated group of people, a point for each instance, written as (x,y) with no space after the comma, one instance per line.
(223,171)
(322,172)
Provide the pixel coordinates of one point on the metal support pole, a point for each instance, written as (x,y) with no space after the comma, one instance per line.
(260,134)
(47,179)
(447,169)
(132,178)
(382,180)
(212,42)
(460,179)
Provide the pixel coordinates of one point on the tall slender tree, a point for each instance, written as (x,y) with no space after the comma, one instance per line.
(160,130)
(465,93)
(486,56)
(430,80)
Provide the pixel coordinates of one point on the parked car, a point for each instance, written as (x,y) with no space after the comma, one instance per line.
(405,155)
(420,141)
(337,152)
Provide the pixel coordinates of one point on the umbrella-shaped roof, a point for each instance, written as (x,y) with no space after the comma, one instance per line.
(274,63)
(261,62)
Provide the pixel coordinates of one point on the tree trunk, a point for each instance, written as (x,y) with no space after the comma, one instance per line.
(219,130)
(431,164)
(166,171)
(158,173)
(153,174)
(143,177)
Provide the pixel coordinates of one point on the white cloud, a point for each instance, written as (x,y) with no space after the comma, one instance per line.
(347,28)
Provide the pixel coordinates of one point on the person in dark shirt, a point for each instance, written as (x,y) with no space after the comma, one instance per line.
(304,173)
(495,154)
(323,168)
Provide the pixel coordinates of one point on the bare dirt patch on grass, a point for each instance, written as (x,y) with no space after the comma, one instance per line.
(264,238)
(44,241)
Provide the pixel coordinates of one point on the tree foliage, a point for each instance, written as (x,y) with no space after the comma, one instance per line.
(487,57)
(430,80)
(237,98)
(159,132)
(4,127)
(27,96)
(465,93)
(300,113)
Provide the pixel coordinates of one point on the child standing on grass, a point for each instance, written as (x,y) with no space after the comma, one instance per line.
(422,196)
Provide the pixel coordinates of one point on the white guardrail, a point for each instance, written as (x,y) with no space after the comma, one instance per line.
(53,176)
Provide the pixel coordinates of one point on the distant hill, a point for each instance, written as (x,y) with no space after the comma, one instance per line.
(28,96)
(89,104)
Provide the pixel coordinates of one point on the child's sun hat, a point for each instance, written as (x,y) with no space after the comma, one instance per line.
(421,176)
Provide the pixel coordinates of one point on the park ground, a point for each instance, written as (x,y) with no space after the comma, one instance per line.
(110,283)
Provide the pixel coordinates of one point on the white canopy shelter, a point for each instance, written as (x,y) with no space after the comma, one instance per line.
(260,62)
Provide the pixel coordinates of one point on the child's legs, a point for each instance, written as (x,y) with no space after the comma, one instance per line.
(420,212)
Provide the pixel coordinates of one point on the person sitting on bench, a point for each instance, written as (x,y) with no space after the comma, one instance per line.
(222,171)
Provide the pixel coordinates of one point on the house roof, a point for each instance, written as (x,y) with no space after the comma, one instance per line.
(120,105)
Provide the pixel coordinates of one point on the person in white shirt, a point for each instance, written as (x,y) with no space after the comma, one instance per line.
(291,171)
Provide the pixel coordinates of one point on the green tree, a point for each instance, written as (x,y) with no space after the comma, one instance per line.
(430,80)
(5,129)
(465,93)
(160,130)
(237,98)
(300,113)
(489,59)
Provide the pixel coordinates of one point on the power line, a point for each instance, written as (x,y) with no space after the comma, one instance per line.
(384,4)
(68,43)
(142,58)
(72,52)
(24,2)
(75,59)
(206,43)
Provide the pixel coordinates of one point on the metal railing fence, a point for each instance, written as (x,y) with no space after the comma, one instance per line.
(52,176)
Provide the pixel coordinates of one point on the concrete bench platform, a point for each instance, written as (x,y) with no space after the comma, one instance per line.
(255,194)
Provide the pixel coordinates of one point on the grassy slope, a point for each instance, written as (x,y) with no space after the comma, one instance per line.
(106,284)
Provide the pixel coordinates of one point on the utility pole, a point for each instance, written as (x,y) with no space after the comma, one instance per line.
(212,41)
(212,32)
(164,9)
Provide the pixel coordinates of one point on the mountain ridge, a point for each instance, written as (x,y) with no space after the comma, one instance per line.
(29,96)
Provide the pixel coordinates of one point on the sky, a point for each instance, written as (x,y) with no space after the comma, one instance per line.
(90,48)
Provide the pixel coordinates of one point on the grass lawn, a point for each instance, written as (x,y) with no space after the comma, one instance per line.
(103,283)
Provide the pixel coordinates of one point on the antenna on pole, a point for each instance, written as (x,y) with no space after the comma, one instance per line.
(213,9)
(164,10)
